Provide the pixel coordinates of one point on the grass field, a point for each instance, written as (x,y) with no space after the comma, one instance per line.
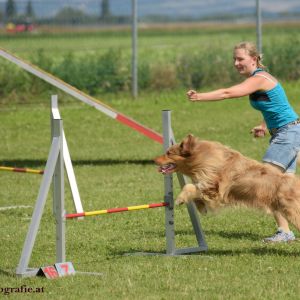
(161,43)
(114,168)
(161,36)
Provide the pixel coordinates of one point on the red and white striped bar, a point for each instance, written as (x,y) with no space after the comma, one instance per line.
(115,210)
(21,170)
(67,88)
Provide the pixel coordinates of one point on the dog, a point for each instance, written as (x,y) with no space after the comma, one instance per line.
(221,176)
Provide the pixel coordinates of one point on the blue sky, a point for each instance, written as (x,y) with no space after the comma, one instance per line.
(164,7)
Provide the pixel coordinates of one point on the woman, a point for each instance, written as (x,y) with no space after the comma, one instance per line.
(266,95)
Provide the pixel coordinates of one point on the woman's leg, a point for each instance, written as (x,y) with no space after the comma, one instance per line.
(283,234)
(280,220)
(282,155)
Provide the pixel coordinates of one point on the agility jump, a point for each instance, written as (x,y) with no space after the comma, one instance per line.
(54,172)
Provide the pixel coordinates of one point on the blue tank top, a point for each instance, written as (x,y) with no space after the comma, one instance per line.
(274,105)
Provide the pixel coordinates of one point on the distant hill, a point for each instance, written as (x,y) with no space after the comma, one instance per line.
(169,9)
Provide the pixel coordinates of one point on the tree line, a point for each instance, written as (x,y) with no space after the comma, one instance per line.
(67,15)
(10,12)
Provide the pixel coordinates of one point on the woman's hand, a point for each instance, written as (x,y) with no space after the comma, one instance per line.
(192,95)
(259,131)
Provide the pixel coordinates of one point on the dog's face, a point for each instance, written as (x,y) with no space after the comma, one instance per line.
(176,157)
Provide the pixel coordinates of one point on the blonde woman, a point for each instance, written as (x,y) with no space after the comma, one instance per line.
(268,96)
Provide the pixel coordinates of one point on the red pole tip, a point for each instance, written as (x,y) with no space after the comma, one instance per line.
(153,205)
(70,216)
(140,128)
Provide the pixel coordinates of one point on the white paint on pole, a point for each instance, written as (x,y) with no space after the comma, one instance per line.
(54,108)
(71,177)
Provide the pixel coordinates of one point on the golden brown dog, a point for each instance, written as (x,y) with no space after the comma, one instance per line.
(221,176)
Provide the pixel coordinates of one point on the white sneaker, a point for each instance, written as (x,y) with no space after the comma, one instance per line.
(280,237)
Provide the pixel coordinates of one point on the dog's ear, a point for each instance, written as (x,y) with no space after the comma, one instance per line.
(187,145)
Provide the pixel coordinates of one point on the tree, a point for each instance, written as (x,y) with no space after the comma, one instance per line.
(70,15)
(105,10)
(29,12)
(10,10)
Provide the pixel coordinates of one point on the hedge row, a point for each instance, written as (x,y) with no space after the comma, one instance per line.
(110,72)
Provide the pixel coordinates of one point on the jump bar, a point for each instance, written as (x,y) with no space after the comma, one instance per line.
(21,170)
(115,210)
(69,89)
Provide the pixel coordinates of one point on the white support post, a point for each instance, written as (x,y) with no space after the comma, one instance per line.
(54,172)
(67,159)
(22,269)
(58,196)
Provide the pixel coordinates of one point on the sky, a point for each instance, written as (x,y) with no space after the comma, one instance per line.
(192,8)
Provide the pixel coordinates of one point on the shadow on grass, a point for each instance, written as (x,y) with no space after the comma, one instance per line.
(34,163)
(234,235)
(222,233)
(264,250)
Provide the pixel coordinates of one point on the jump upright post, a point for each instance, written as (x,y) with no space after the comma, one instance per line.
(66,156)
(171,249)
(53,172)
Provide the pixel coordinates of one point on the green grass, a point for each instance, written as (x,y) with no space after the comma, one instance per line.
(158,44)
(114,168)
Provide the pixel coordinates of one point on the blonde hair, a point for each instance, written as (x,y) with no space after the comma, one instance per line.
(251,49)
